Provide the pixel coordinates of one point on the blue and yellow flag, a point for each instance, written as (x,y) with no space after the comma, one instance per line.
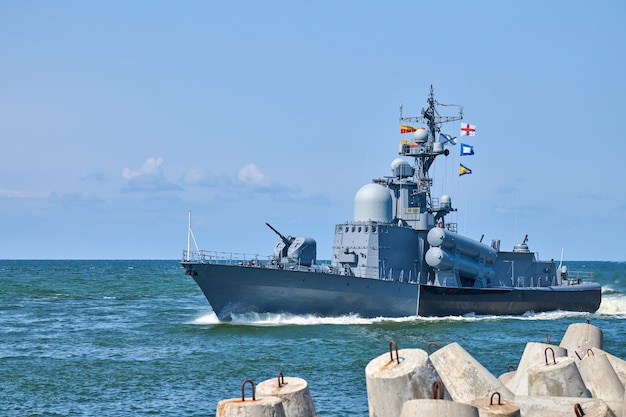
(464,170)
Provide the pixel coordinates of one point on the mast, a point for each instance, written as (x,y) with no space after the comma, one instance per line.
(188,234)
(191,237)
(429,150)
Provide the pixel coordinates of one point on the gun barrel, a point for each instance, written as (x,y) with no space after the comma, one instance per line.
(283,238)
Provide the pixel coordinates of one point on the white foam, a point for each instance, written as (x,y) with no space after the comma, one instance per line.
(271,319)
(613,305)
(206,318)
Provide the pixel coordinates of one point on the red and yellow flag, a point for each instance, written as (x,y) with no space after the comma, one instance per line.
(407,129)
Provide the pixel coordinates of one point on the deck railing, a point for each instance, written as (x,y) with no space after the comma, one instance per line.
(578,277)
(223,258)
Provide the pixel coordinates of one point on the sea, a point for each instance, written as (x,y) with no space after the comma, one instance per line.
(138,338)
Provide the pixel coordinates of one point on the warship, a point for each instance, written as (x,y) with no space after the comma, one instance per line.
(400,256)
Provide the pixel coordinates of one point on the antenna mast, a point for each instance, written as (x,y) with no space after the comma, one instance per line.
(427,151)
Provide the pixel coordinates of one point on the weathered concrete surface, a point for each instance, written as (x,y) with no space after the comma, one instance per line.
(562,407)
(261,407)
(507,377)
(534,354)
(619,365)
(581,337)
(557,380)
(294,393)
(600,378)
(492,406)
(464,377)
(390,384)
(437,408)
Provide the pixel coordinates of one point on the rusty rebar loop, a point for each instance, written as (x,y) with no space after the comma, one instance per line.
(579,358)
(578,409)
(545,353)
(437,390)
(493,395)
(510,368)
(392,343)
(281,379)
(432,344)
(590,352)
(243,386)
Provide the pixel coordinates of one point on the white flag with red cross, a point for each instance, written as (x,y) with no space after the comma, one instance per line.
(468,129)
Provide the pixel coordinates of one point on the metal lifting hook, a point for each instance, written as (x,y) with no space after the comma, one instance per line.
(432,344)
(393,343)
(243,387)
(545,352)
(578,410)
(437,390)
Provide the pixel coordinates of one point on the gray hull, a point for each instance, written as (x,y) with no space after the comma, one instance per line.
(233,289)
(444,301)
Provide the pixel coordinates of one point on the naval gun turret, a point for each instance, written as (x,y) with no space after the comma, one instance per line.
(294,250)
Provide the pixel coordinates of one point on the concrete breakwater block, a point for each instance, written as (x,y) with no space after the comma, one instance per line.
(396,377)
(294,393)
(600,378)
(494,406)
(580,337)
(437,408)
(261,407)
(619,365)
(534,354)
(563,407)
(250,407)
(464,377)
(507,378)
(558,378)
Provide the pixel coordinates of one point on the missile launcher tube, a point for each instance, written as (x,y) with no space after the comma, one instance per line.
(450,241)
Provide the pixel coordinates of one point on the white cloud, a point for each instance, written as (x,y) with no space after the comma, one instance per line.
(152,167)
(148,178)
(250,174)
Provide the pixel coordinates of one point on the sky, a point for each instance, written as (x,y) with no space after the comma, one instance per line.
(118,118)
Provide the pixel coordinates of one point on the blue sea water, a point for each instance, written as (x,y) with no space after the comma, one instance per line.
(134,338)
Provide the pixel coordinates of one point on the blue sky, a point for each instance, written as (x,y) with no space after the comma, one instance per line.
(117,117)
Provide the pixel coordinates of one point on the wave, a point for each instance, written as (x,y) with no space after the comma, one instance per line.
(276,319)
(613,305)
(206,318)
